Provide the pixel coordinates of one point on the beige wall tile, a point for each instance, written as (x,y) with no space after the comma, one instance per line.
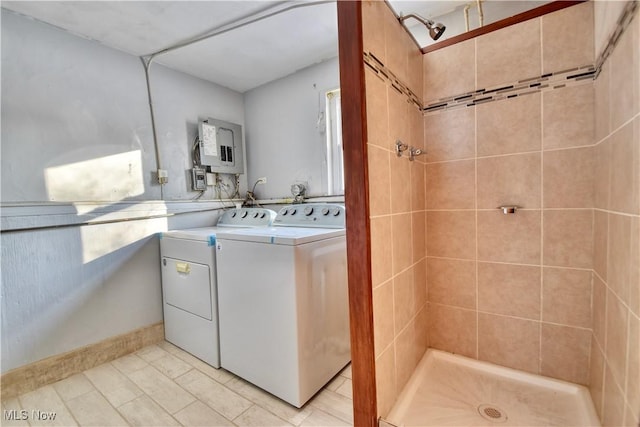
(449,234)
(416,130)
(613,401)
(439,81)
(379,181)
(512,290)
(602,126)
(625,169)
(396,47)
(398,118)
(633,364)
(567,38)
(508,341)
(632,417)
(451,185)
(381,250)
(453,329)
(450,135)
(596,377)
(404,306)
(415,73)
(602,174)
(377,110)
(600,242)
(422,331)
(568,178)
(567,296)
(417,186)
(419,235)
(510,126)
(565,353)
(510,54)
(599,310)
(401,242)
(625,77)
(386,381)
(509,180)
(568,238)
(420,283)
(383,327)
(407,355)
(372,35)
(400,184)
(606,14)
(509,238)
(568,117)
(452,282)
(634,281)
(619,264)
(617,329)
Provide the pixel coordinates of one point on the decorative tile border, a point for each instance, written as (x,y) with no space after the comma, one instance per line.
(546,82)
(391,79)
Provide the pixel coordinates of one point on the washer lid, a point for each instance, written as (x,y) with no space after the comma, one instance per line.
(204,234)
(280,235)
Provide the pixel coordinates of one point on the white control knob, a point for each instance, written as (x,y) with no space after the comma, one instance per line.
(325,211)
(244,214)
(256,214)
(293,211)
(308,210)
(335,212)
(233,214)
(284,212)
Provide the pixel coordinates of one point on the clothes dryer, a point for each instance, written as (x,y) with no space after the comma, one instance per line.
(189,282)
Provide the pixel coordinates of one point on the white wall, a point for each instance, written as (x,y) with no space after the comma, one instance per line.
(76,127)
(283,141)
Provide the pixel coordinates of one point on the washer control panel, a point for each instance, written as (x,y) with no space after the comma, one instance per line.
(321,215)
(247,217)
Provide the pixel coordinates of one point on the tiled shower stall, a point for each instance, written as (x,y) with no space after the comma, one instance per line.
(543,115)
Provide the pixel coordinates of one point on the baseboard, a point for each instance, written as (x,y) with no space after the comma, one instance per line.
(55,368)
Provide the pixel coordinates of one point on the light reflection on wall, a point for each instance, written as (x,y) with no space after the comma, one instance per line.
(101,240)
(112,177)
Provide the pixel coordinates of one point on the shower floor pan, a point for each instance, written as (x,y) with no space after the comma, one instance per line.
(451,390)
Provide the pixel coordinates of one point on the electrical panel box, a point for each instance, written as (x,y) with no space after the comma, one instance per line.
(221,146)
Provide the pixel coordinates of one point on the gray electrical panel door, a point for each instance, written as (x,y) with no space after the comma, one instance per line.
(221,146)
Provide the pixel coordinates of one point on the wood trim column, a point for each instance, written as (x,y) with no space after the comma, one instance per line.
(354,136)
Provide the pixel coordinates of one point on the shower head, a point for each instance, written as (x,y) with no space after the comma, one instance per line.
(435,28)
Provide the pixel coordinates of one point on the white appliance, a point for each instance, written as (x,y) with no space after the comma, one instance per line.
(284,313)
(189,282)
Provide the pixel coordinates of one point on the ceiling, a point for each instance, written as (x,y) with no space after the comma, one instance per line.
(243,58)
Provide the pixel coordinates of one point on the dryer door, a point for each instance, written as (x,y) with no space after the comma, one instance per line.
(186,285)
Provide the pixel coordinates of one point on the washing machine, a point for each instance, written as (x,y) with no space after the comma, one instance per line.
(283,298)
(189,282)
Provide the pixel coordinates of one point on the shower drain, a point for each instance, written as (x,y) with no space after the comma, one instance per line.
(492,413)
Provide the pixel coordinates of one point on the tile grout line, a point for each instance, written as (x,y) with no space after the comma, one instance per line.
(542,206)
